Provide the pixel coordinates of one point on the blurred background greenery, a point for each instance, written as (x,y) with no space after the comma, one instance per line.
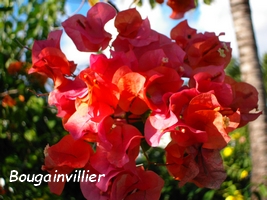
(28,123)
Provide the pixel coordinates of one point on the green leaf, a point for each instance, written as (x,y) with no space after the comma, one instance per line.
(8,25)
(263,190)
(152,3)
(196,3)
(30,135)
(208,2)
(145,146)
(51,123)
(209,195)
(5,9)
(140,3)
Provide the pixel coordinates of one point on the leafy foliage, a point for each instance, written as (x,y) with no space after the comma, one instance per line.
(27,123)
(233,70)
(264,70)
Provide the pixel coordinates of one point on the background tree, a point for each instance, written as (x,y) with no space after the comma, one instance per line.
(27,124)
(251,73)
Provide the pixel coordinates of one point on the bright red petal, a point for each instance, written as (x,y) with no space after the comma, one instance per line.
(88,33)
(130,86)
(179,7)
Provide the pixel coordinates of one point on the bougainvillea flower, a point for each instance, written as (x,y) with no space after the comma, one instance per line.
(124,184)
(203,49)
(91,190)
(99,90)
(99,161)
(213,81)
(245,95)
(201,119)
(144,185)
(86,118)
(65,156)
(211,170)
(118,138)
(157,122)
(182,33)
(55,59)
(128,23)
(162,52)
(181,167)
(214,124)
(130,86)
(160,81)
(136,95)
(133,30)
(168,55)
(64,96)
(151,59)
(88,33)
(156,125)
(160,122)
(175,56)
(181,132)
(49,60)
(151,53)
(106,67)
(53,40)
(245,98)
(180,7)
(206,49)
(54,64)
(205,113)
(186,135)
(204,167)
(179,101)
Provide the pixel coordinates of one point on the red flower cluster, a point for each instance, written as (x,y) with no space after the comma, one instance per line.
(138,94)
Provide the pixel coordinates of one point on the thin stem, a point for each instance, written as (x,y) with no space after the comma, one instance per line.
(23,46)
(38,95)
(146,156)
(134,2)
(152,163)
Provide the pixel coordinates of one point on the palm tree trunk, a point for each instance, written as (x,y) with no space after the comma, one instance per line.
(251,73)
